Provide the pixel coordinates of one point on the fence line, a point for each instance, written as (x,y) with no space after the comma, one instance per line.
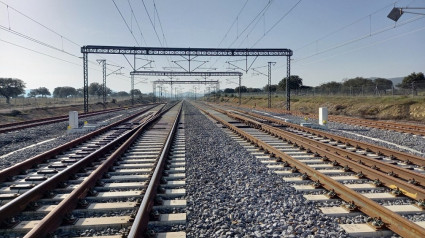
(22,102)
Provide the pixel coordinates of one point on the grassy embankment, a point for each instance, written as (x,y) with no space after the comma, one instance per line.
(386,108)
(15,113)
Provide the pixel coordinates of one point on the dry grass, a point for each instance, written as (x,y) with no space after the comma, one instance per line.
(49,107)
(386,108)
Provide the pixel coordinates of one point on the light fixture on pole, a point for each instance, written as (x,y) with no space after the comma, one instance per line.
(396,12)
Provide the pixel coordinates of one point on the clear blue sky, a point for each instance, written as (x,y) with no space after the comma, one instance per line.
(331,39)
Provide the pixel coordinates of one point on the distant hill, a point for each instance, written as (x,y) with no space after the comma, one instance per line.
(396,80)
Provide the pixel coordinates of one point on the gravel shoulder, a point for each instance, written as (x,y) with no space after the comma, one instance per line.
(56,133)
(231,194)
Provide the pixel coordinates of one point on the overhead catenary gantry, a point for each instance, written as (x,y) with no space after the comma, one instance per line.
(171,82)
(153,51)
(186,73)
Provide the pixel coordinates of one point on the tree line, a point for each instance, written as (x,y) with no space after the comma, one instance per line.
(354,85)
(11,87)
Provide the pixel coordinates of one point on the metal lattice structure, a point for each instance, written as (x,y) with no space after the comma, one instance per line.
(168,51)
(171,82)
(96,49)
(104,80)
(184,73)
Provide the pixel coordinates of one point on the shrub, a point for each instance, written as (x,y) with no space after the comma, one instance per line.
(15,113)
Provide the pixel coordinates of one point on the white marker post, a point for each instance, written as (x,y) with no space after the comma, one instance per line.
(323,116)
(73,119)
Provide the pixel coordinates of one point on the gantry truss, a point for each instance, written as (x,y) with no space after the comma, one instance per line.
(184,73)
(97,49)
(171,82)
(153,51)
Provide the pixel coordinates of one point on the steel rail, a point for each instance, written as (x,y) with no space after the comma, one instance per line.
(55,117)
(405,157)
(54,218)
(141,220)
(29,163)
(403,173)
(383,125)
(340,156)
(401,127)
(393,221)
(44,121)
(18,204)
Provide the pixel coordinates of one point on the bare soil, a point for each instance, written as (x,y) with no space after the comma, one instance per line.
(380,108)
(57,110)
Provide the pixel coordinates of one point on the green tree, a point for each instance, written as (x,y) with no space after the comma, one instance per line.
(33,93)
(253,90)
(137,93)
(358,85)
(229,90)
(10,87)
(273,88)
(95,89)
(43,91)
(330,88)
(417,78)
(383,84)
(122,94)
(295,82)
(64,92)
(243,89)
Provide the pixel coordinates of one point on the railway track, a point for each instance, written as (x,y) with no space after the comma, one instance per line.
(104,186)
(4,128)
(405,166)
(414,129)
(323,171)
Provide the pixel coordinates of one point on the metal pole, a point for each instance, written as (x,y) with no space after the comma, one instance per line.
(288,76)
(154,93)
(104,82)
(132,89)
(86,82)
(132,80)
(270,83)
(240,96)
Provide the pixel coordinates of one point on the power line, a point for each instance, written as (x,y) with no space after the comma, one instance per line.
(233,23)
(137,22)
(48,28)
(253,28)
(276,23)
(41,53)
(35,40)
(370,45)
(150,19)
(344,27)
(252,21)
(363,37)
(160,24)
(162,30)
(128,27)
(44,26)
(228,30)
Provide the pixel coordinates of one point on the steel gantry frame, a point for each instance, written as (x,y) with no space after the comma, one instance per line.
(186,73)
(216,82)
(103,62)
(152,51)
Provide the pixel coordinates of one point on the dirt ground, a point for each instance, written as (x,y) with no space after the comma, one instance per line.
(19,114)
(400,108)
